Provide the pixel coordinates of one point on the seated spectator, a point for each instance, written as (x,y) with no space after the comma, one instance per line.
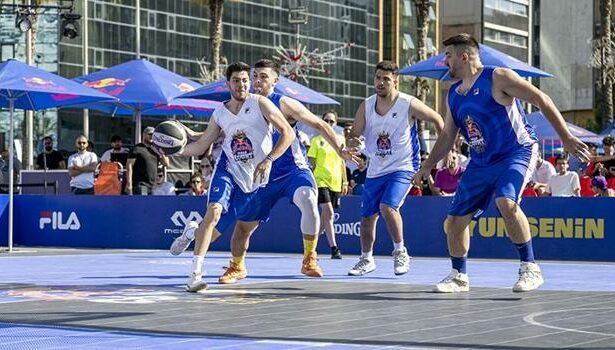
(529,190)
(447,178)
(163,187)
(81,167)
(196,186)
(207,170)
(50,158)
(116,148)
(565,183)
(542,174)
(586,186)
(599,186)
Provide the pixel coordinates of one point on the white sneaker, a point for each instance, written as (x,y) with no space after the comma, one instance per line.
(181,243)
(401,261)
(455,282)
(195,283)
(530,277)
(363,267)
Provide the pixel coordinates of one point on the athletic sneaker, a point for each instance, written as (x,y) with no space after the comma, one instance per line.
(310,266)
(195,283)
(401,261)
(233,274)
(530,277)
(455,282)
(363,267)
(336,253)
(181,243)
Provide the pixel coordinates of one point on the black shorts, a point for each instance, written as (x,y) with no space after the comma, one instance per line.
(325,195)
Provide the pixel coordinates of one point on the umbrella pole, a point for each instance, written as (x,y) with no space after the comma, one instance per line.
(137,126)
(11,170)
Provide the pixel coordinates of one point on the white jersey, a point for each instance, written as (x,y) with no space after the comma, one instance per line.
(247,141)
(391,140)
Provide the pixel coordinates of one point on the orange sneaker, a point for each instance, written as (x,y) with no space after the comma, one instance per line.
(233,274)
(310,266)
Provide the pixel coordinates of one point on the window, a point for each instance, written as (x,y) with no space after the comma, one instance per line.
(508,6)
(408,44)
(407,8)
(505,38)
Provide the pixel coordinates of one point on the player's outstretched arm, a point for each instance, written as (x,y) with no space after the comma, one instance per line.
(421,111)
(201,145)
(444,143)
(507,83)
(358,126)
(299,112)
(275,117)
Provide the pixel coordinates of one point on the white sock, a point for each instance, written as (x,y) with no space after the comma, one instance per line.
(367,255)
(197,264)
(398,246)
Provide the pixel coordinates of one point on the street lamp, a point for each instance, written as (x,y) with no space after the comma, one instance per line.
(70,27)
(24,19)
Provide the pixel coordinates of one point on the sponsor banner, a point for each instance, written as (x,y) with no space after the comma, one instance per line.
(563,228)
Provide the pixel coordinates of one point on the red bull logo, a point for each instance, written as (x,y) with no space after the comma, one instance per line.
(105,83)
(39,83)
(184,87)
(110,86)
(241,147)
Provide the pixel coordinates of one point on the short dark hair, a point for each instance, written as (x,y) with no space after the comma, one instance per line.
(388,66)
(236,67)
(331,111)
(462,41)
(562,156)
(47,138)
(608,140)
(267,63)
(196,175)
(116,138)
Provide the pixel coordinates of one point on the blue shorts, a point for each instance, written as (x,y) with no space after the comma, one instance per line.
(278,188)
(506,178)
(390,190)
(258,207)
(234,201)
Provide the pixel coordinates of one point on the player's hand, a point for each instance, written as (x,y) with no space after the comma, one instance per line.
(355,142)
(417,179)
(351,154)
(261,171)
(576,147)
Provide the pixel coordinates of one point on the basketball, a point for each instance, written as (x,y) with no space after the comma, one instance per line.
(169,137)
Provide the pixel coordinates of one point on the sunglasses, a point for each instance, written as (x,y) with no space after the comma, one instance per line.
(196,182)
(82,143)
(330,121)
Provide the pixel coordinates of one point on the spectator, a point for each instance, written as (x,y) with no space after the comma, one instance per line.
(162,187)
(426,188)
(529,190)
(4,170)
(542,174)
(116,148)
(81,167)
(50,158)
(357,179)
(599,186)
(565,183)
(196,186)
(448,177)
(207,170)
(142,165)
(90,147)
(330,174)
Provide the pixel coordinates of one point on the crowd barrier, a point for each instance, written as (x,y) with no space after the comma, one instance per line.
(563,228)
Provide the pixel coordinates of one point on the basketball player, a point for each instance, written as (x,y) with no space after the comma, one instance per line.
(246,120)
(485,105)
(388,121)
(290,177)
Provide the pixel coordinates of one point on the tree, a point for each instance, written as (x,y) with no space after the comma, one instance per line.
(421,85)
(216,8)
(604,61)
